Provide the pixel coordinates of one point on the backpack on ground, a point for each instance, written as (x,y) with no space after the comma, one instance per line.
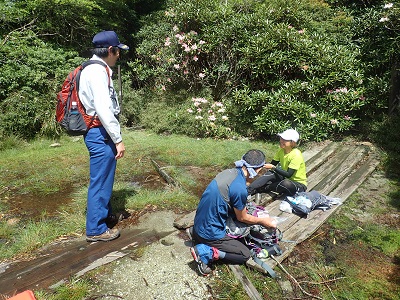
(263,242)
(70,112)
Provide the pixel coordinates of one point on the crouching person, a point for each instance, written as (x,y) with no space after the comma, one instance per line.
(226,196)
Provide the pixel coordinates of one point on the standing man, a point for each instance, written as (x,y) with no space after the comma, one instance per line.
(226,196)
(103,139)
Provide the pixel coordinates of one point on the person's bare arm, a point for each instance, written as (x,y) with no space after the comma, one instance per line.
(244,217)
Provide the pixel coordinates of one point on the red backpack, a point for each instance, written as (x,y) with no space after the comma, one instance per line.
(70,112)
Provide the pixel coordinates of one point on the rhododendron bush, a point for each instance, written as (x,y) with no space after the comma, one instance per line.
(272,64)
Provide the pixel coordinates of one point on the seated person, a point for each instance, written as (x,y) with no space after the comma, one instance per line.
(287,170)
(226,196)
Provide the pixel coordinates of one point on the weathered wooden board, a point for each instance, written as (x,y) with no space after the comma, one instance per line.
(71,258)
(248,286)
(344,168)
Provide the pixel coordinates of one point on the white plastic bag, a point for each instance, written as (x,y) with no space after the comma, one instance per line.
(285,206)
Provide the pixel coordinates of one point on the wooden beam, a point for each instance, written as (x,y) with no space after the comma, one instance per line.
(247,285)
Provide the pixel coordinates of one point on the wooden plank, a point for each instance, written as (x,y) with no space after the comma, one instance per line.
(303,228)
(342,170)
(319,158)
(350,184)
(67,260)
(248,286)
(328,167)
(309,154)
(164,174)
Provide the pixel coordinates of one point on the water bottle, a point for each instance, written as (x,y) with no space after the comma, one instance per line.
(74,108)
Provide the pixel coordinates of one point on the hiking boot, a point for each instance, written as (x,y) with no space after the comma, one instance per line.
(108,235)
(203,268)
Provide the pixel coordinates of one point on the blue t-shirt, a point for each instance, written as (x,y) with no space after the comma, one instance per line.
(227,191)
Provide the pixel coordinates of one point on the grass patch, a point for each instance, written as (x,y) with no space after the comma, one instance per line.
(75,289)
(22,240)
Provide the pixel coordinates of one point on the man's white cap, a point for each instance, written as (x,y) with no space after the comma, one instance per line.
(290,135)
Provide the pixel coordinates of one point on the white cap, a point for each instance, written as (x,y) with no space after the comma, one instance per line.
(290,135)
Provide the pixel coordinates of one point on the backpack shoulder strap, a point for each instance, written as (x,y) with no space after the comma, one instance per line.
(263,264)
(92,62)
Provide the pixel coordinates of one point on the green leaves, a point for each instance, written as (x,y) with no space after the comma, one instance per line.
(275,61)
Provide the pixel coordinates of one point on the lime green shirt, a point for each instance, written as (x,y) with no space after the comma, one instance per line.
(293,160)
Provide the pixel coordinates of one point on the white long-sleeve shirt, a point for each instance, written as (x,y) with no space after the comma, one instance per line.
(99,97)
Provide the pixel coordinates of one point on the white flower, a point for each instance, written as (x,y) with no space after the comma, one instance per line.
(224,118)
(384,19)
(388,5)
(198,117)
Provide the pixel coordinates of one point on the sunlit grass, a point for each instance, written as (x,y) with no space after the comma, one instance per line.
(22,240)
(76,289)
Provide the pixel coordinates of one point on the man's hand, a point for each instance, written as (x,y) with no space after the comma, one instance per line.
(120,150)
(244,217)
(268,222)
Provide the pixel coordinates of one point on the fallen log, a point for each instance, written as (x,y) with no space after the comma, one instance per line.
(164,174)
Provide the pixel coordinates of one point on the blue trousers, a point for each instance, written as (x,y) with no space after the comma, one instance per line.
(102,153)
